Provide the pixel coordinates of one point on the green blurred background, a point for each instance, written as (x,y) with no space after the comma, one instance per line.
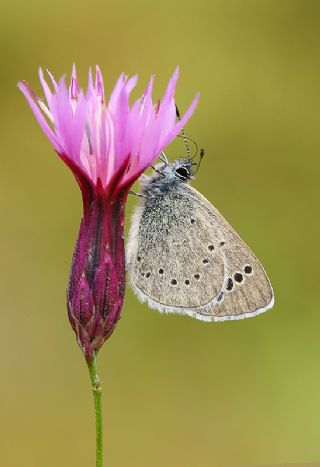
(177,392)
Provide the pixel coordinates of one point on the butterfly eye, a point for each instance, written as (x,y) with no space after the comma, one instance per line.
(182,172)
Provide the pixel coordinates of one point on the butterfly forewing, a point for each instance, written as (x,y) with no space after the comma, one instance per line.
(173,256)
(184,257)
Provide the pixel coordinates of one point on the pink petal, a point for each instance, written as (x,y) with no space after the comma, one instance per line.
(69,127)
(178,127)
(30,96)
(116,92)
(90,89)
(131,84)
(74,86)
(171,88)
(99,84)
(53,81)
(45,87)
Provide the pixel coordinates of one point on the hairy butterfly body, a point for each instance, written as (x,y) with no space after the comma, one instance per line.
(183,256)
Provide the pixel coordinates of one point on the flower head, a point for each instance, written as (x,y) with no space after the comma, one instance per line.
(107,145)
(106,140)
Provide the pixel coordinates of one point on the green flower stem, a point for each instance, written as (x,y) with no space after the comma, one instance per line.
(97,395)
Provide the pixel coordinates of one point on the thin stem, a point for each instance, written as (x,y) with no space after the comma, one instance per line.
(97,395)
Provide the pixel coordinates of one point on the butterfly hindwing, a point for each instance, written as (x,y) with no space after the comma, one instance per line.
(246,290)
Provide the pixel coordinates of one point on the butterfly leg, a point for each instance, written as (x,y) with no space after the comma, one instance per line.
(164,158)
(158,171)
(140,195)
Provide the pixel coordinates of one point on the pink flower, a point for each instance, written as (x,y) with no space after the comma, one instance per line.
(107,146)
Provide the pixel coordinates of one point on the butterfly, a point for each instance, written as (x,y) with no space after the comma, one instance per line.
(184,257)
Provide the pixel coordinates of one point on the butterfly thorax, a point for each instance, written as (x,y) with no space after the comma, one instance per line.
(167,178)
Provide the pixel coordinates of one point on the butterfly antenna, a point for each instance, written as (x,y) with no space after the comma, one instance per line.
(201,156)
(192,141)
(185,139)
